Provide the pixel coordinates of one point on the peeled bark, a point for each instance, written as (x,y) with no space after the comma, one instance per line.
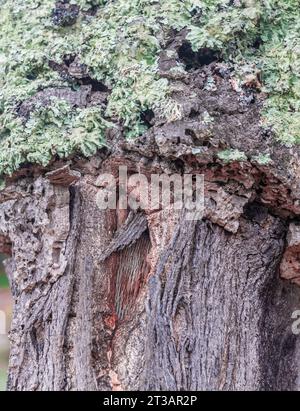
(148,300)
(145,300)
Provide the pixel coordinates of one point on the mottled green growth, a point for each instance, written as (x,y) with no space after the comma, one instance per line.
(232,155)
(263,159)
(120,42)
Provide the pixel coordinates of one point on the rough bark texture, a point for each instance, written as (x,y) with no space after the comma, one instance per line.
(148,300)
(117,300)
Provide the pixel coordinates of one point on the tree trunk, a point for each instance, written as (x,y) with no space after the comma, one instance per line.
(148,300)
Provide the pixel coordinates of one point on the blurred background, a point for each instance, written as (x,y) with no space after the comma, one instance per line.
(5,311)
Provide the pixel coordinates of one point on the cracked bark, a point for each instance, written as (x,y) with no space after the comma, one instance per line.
(109,300)
(159,303)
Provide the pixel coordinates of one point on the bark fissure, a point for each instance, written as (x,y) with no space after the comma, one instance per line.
(125,299)
(186,305)
(226,306)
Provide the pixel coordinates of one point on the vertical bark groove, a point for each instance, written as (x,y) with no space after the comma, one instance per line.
(161,303)
(216,314)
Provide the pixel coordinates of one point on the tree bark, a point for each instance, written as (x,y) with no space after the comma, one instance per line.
(147,300)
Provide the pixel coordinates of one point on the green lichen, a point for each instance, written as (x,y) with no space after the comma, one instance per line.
(262,159)
(87,4)
(2,184)
(54,130)
(259,37)
(120,46)
(232,155)
(207,118)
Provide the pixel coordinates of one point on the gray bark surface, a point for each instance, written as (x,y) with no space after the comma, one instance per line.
(117,300)
(148,300)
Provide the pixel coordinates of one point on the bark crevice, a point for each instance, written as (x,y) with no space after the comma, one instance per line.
(157,302)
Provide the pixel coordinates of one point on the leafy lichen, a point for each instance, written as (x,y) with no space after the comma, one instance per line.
(262,159)
(232,155)
(119,42)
